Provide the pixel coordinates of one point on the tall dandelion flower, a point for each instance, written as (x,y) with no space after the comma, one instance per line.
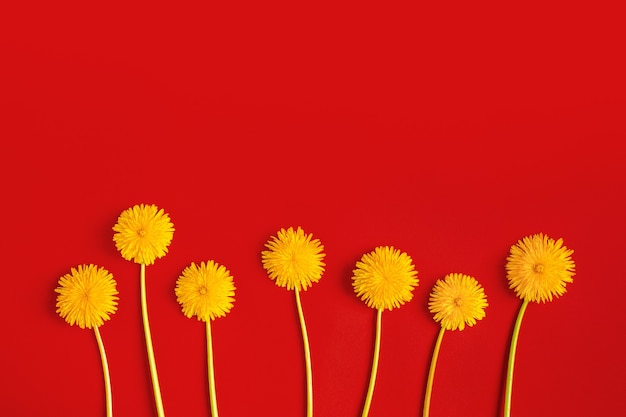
(294,260)
(87,297)
(143,234)
(383,279)
(206,291)
(538,270)
(456,301)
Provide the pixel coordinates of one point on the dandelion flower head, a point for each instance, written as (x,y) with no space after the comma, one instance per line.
(206,291)
(385,278)
(143,233)
(456,301)
(539,267)
(294,259)
(87,296)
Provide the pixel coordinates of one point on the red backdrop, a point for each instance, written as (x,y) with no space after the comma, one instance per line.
(449,131)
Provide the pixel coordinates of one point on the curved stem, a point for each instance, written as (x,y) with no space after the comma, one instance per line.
(509,372)
(431,373)
(146,330)
(211,369)
(105,370)
(370,390)
(307,357)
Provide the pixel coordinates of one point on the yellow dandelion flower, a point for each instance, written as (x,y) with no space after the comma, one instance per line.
(538,268)
(385,278)
(87,296)
(456,301)
(143,233)
(294,259)
(205,291)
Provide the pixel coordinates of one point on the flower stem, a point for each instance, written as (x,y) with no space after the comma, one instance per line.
(146,329)
(370,389)
(509,372)
(431,373)
(105,370)
(307,357)
(211,369)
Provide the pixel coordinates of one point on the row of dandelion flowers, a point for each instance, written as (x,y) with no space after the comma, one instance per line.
(538,269)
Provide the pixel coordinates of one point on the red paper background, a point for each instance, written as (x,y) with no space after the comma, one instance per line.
(448,130)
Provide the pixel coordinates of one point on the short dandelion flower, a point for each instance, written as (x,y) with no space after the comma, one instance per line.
(294,260)
(383,279)
(538,270)
(87,296)
(456,301)
(206,291)
(143,234)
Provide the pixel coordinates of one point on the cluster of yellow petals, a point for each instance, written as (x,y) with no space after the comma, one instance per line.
(143,233)
(294,259)
(539,267)
(456,301)
(206,291)
(87,296)
(385,278)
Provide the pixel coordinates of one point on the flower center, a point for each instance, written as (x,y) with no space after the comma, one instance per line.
(539,268)
(458,302)
(141,232)
(202,290)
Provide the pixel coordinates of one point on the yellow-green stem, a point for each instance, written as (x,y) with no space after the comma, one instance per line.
(307,358)
(431,373)
(146,330)
(105,370)
(211,369)
(509,372)
(370,389)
